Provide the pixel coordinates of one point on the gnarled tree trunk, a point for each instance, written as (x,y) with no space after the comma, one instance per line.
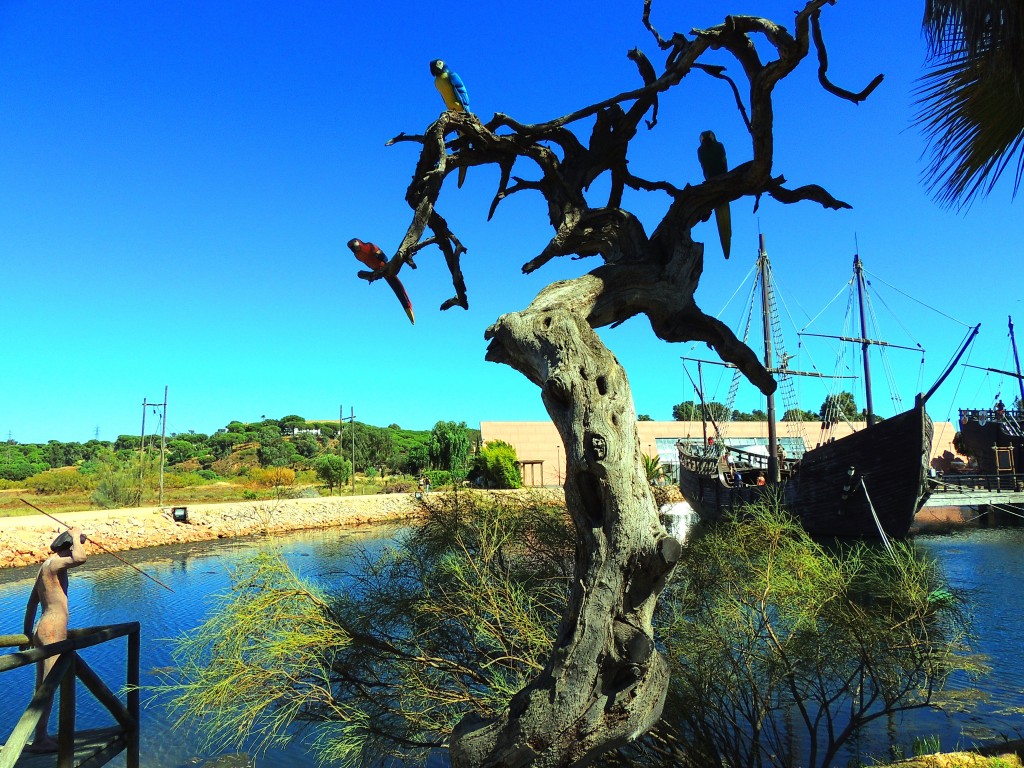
(604,683)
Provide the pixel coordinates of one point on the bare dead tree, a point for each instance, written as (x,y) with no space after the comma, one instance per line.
(605,683)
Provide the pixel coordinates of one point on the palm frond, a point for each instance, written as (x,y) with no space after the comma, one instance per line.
(972,113)
(973,26)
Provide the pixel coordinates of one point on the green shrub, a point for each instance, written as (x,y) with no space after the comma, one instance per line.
(118,487)
(332,470)
(63,480)
(771,638)
(455,620)
(500,466)
(760,622)
(272,477)
(438,477)
(400,485)
(653,470)
(20,469)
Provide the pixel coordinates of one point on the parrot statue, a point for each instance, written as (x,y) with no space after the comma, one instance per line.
(454,93)
(711,154)
(372,256)
(450,86)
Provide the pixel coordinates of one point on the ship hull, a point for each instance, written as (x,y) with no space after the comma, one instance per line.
(887,486)
(983,430)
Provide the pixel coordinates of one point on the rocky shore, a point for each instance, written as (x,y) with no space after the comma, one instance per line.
(25,540)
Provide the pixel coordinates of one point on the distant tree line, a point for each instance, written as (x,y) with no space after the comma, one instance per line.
(291,441)
(835,409)
(450,448)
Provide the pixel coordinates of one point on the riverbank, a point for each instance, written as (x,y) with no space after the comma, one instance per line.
(997,756)
(25,540)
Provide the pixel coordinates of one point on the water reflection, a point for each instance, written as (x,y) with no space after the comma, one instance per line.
(987,562)
(104,591)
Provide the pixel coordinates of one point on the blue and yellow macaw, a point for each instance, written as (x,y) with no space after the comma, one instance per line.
(450,86)
(711,155)
(454,93)
(373,257)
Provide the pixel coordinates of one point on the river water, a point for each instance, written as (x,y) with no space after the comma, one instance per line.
(987,562)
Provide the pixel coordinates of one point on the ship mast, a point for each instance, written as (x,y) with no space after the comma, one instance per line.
(703,405)
(1016,361)
(774,474)
(858,271)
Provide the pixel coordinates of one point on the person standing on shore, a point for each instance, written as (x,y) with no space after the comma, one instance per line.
(50,592)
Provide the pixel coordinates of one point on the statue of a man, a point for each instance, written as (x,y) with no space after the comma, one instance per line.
(50,592)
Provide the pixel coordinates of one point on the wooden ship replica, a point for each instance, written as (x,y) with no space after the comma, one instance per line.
(868,484)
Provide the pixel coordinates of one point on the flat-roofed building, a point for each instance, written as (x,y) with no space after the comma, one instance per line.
(541,454)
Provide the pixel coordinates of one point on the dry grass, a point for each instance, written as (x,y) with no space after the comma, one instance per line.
(960,760)
(1006,755)
(11,505)
(221,492)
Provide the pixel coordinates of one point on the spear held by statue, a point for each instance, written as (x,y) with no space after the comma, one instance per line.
(98,544)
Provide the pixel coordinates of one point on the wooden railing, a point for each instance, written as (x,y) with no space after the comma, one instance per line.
(83,749)
(968,483)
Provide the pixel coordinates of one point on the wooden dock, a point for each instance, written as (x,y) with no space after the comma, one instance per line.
(976,490)
(75,749)
(972,500)
(91,749)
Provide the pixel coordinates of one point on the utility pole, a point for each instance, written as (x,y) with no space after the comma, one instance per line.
(142,448)
(351,419)
(163,445)
(142,453)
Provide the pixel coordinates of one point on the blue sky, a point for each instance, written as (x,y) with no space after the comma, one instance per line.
(178,181)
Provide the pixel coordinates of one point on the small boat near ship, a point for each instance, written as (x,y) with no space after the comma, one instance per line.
(868,484)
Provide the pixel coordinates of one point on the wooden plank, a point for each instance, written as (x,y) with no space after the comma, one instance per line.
(89,749)
(77,639)
(27,723)
(132,683)
(103,694)
(66,717)
(93,749)
(104,755)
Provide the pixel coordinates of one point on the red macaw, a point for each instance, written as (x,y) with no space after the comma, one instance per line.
(373,257)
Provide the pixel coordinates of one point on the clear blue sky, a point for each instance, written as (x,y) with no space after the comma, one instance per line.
(178,181)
